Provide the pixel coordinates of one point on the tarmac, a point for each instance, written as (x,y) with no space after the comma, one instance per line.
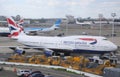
(11,72)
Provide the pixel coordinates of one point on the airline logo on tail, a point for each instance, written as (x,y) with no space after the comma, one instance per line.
(20,22)
(15,29)
(57,23)
(91,40)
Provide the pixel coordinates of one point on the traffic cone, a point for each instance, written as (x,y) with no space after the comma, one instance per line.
(14,70)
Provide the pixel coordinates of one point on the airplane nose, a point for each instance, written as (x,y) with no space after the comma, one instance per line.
(114,47)
(111,46)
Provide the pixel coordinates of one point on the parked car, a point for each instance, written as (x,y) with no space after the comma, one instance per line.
(23,73)
(1,68)
(36,74)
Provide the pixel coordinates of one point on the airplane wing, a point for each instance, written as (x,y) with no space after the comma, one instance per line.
(24,47)
(21,49)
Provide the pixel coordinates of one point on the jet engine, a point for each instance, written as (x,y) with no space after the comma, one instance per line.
(19,51)
(48,52)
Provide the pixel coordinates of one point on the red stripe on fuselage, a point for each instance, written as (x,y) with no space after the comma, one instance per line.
(87,39)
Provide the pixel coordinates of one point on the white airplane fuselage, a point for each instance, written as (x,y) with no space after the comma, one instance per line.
(92,44)
(4,31)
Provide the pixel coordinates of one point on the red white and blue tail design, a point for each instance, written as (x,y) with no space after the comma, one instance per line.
(15,29)
(20,22)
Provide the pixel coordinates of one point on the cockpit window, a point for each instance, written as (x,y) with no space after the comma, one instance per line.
(105,39)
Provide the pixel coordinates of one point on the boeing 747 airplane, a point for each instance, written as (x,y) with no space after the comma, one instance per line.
(66,44)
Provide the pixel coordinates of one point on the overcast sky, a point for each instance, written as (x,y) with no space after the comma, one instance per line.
(59,8)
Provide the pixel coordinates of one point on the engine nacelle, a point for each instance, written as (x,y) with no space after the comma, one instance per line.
(19,51)
(48,52)
(31,33)
(27,32)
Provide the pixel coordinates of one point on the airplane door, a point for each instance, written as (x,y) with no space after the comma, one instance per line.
(77,46)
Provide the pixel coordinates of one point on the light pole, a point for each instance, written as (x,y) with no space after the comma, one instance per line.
(66,33)
(100,17)
(113,25)
(68,19)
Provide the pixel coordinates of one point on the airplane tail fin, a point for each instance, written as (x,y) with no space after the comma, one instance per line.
(20,22)
(14,28)
(56,24)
